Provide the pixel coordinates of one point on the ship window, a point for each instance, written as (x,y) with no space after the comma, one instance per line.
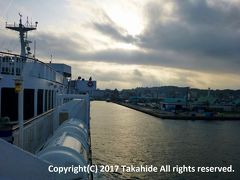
(46,101)
(28,107)
(17,71)
(40,101)
(52,99)
(9,104)
(49,99)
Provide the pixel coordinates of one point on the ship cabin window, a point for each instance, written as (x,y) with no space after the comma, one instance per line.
(28,107)
(49,99)
(46,101)
(52,104)
(7,65)
(9,104)
(40,101)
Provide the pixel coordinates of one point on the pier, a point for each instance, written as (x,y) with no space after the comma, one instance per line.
(178,116)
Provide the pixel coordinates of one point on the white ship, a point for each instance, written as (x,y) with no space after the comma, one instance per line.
(41,123)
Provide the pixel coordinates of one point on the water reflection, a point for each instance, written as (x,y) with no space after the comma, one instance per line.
(124,136)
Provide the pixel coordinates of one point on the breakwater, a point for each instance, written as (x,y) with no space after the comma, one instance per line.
(171,115)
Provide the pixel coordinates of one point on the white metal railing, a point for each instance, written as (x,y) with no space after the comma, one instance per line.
(17,25)
(38,129)
(64,98)
(35,132)
(70,101)
(12,64)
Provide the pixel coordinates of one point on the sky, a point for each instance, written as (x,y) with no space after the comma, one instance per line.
(135,43)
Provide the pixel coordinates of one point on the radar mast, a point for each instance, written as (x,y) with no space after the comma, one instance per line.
(23,29)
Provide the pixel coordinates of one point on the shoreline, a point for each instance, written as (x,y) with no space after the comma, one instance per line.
(177,117)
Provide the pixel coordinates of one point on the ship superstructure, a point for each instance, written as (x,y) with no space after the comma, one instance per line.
(35,102)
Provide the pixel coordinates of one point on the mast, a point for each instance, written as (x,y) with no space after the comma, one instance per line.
(22,29)
(19,79)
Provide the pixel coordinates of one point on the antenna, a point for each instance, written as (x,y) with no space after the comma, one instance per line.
(22,33)
(27,23)
(20,16)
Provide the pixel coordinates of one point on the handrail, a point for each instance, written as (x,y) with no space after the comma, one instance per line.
(35,59)
(15,127)
(12,69)
(17,25)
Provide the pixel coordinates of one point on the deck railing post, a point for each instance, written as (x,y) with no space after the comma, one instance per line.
(20,117)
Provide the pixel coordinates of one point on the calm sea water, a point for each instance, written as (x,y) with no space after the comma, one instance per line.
(122,136)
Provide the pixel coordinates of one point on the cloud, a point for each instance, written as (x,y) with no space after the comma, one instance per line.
(8,41)
(128,76)
(74,47)
(65,46)
(114,32)
(199,31)
(137,72)
(196,37)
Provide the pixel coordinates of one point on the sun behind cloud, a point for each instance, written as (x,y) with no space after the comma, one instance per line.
(143,43)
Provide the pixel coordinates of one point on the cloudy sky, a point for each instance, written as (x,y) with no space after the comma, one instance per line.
(133,43)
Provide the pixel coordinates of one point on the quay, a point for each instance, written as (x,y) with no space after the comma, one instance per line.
(178,116)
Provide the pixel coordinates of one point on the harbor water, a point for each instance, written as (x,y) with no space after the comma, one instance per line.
(122,136)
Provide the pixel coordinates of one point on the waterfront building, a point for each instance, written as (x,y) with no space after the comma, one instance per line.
(169,104)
